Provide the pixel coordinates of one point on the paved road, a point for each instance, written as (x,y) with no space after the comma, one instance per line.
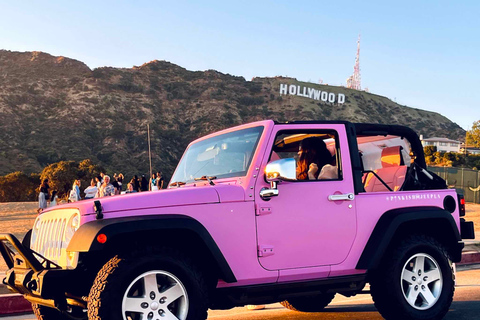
(466,306)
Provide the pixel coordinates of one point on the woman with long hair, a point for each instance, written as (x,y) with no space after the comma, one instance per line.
(75,192)
(313,157)
(54,198)
(153,183)
(43,195)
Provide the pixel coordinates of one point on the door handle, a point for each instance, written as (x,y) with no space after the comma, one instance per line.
(341,197)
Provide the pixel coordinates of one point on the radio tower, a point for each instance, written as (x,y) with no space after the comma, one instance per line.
(355,80)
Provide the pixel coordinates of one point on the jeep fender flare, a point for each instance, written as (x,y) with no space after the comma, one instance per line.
(393,220)
(85,238)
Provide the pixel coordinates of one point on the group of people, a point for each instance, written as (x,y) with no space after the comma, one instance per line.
(137,184)
(101,186)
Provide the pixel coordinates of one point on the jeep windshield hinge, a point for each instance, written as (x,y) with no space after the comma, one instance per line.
(265,251)
(98,209)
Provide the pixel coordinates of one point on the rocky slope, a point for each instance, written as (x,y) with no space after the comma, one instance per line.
(56,108)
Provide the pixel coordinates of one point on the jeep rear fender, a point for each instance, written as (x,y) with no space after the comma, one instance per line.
(400,222)
(85,238)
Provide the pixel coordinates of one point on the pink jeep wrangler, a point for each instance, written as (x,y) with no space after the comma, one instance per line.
(243,222)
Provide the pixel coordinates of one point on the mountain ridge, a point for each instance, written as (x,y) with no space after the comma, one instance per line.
(57,108)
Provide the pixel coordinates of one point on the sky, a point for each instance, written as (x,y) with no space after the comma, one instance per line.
(423,54)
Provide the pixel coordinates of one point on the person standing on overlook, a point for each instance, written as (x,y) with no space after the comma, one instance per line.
(159,181)
(106,189)
(54,199)
(75,192)
(43,195)
(91,190)
(136,183)
(144,183)
(153,183)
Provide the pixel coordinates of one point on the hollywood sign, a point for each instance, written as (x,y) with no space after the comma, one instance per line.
(311,93)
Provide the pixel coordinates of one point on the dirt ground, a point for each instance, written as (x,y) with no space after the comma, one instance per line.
(18,218)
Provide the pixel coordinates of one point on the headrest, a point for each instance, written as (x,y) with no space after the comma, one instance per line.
(392,157)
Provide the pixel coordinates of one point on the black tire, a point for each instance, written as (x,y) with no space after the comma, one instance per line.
(118,278)
(389,289)
(309,304)
(46,313)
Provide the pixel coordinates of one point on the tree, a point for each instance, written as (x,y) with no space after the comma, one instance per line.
(429,154)
(87,170)
(473,135)
(60,176)
(18,186)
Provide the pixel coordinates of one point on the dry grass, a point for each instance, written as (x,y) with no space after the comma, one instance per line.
(18,218)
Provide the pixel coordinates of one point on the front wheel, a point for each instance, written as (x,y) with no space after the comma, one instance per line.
(416,282)
(163,285)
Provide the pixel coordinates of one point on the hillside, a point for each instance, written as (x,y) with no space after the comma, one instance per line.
(56,108)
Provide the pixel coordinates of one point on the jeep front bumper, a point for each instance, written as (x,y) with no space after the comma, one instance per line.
(40,281)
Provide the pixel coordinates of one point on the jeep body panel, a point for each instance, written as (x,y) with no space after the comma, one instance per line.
(135,226)
(301,212)
(236,239)
(370,208)
(393,220)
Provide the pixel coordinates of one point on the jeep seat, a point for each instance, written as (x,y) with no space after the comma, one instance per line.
(393,171)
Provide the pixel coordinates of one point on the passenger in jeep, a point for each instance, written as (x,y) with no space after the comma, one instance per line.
(315,160)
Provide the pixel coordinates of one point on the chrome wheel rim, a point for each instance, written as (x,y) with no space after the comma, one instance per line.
(421,281)
(155,295)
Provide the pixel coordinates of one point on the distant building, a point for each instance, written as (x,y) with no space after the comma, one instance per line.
(442,144)
(470,150)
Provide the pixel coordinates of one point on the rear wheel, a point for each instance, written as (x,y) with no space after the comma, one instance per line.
(314,303)
(160,285)
(416,282)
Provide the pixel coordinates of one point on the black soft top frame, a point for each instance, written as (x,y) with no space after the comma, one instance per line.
(372,129)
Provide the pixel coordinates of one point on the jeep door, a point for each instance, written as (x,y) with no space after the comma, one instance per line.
(302,227)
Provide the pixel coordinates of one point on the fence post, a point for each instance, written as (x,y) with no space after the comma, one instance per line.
(476,192)
(463,186)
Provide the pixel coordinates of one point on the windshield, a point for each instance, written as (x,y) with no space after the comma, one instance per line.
(223,156)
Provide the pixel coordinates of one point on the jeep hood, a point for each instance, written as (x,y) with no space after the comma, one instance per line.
(183,196)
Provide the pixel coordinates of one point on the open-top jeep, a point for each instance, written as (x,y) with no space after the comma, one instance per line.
(238,226)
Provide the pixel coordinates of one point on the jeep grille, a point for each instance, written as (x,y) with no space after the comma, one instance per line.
(51,235)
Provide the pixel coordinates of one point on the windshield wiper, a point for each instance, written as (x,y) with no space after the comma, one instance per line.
(177,184)
(209,179)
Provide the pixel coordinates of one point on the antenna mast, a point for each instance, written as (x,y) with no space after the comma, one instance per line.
(355,80)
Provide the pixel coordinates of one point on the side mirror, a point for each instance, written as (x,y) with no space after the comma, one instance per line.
(281,170)
(276,171)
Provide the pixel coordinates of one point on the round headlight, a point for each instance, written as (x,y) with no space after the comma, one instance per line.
(76,222)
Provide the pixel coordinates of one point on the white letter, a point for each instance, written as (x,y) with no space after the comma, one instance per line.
(316,94)
(341,98)
(298,91)
(283,88)
(310,92)
(305,92)
(331,97)
(324,96)
(292,89)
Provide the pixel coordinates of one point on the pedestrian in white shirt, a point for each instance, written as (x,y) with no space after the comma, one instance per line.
(91,191)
